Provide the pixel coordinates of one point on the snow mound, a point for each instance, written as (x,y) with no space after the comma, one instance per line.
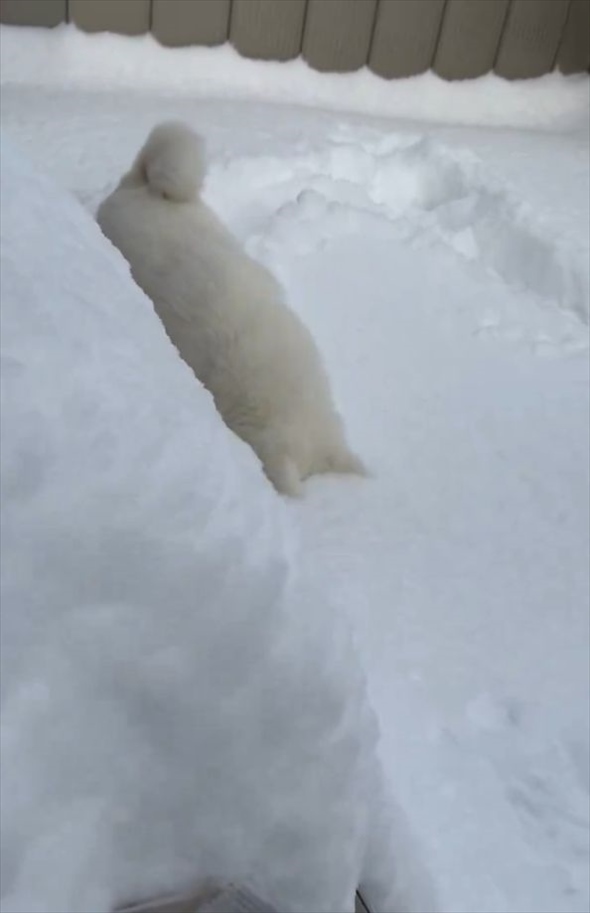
(177,700)
(413,189)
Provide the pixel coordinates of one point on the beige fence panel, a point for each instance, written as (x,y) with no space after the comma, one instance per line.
(272,31)
(459,39)
(405,36)
(337,36)
(574,53)
(469,38)
(531,38)
(184,22)
(46,13)
(128,17)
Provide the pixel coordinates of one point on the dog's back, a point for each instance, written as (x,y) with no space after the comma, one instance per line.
(225,314)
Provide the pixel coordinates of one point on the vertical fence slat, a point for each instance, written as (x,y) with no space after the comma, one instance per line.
(574,53)
(337,35)
(531,38)
(127,17)
(272,31)
(178,23)
(469,38)
(459,38)
(405,36)
(42,13)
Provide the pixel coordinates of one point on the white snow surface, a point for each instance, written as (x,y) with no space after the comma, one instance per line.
(444,273)
(178,701)
(61,56)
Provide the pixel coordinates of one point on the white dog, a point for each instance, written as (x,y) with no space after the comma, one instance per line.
(225,313)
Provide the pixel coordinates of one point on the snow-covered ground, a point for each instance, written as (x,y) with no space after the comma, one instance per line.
(180,701)
(444,273)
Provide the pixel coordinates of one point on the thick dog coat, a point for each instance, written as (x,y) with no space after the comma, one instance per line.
(225,313)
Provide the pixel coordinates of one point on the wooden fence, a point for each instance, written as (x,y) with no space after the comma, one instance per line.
(458,39)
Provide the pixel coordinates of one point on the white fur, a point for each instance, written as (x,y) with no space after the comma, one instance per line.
(225,313)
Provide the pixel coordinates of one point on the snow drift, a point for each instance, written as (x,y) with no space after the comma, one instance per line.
(177,701)
(65,56)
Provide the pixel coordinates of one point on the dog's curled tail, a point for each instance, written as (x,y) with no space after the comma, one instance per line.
(172,162)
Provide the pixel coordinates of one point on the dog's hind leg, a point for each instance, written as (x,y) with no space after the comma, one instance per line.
(279,468)
(343,461)
(283,474)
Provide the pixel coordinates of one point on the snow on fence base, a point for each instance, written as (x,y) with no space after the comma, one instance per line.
(64,56)
(460,39)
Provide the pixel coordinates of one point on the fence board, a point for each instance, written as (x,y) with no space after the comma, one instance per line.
(531,38)
(337,34)
(42,13)
(469,38)
(574,53)
(178,23)
(127,17)
(273,31)
(396,37)
(405,36)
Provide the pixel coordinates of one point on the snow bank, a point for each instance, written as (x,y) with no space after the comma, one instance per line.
(177,702)
(62,56)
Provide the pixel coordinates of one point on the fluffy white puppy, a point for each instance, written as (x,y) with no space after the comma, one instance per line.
(225,313)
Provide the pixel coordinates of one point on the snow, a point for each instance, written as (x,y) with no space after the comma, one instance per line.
(64,55)
(178,700)
(443,270)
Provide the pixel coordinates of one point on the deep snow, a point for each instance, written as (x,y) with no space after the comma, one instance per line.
(444,274)
(179,700)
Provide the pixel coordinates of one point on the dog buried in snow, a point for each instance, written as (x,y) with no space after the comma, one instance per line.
(225,313)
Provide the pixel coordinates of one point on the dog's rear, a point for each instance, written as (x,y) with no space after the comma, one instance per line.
(171,163)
